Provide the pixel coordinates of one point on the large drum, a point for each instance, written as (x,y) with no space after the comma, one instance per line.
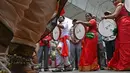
(127,5)
(79,31)
(56,33)
(106,28)
(53,22)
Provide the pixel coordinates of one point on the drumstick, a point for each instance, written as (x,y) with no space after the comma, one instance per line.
(58,51)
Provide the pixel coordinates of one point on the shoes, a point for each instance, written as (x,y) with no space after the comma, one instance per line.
(46,69)
(104,68)
(36,67)
(57,70)
(75,68)
(68,68)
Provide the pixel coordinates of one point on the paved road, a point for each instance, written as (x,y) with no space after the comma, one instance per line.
(101,71)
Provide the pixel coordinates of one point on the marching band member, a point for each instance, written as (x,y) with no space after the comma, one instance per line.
(110,45)
(121,57)
(44,47)
(101,53)
(62,56)
(75,47)
(88,59)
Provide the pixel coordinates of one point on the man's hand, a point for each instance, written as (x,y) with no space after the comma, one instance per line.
(45,42)
(58,50)
(104,17)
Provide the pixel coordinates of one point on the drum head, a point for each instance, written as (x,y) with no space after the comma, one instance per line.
(50,26)
(79,31)
(109,38)
(56,33)
(106,27)
(127,5)
(53,22)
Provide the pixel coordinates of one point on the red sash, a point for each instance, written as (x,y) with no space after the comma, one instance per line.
(65,46)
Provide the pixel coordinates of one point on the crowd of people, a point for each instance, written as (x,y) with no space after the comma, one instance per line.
(92,52)
(23,23)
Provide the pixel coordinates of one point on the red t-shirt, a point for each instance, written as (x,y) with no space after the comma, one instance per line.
(48,37)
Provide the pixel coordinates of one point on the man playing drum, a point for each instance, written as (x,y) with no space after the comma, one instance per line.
(62,56)
(110,45)
(75,47)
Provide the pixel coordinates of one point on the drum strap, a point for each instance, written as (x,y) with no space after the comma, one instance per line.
(65,46)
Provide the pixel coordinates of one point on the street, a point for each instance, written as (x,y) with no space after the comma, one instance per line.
(100,71)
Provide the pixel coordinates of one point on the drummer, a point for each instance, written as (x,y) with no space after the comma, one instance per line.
(88,59)
(110,45)
(63,47)
(75,47)
(121,56)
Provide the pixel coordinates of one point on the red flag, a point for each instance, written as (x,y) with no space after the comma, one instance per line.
(62,12)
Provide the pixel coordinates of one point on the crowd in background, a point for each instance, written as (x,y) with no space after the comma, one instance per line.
(92,52)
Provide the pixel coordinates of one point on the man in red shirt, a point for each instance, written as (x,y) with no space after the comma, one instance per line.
(44,47)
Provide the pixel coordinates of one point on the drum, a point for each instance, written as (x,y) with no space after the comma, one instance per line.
(56,33)
(50,26)
(127,5)
(53,22)
(79,31)
(110,38)
(106,28)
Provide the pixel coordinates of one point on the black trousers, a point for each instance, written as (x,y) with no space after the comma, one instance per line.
(110,48)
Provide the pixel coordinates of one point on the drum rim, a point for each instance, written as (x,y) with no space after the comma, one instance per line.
(74,31)
(59,34)
(110,39)
(50,31)
(126,6)
(61,6)
(99,24)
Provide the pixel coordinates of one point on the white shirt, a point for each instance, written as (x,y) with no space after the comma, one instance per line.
(61,44)
(65,31)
